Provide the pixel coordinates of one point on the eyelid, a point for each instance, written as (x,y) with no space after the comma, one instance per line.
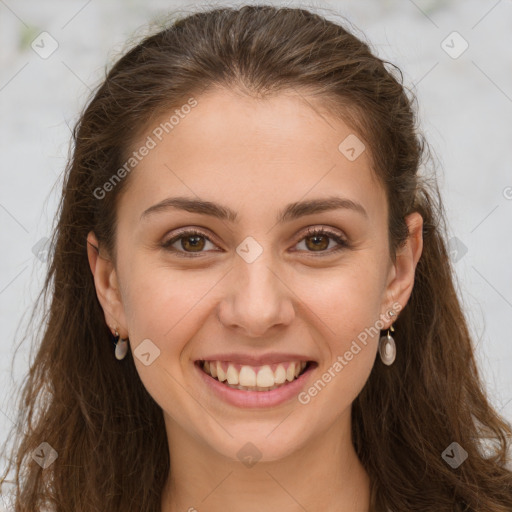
(336,235)
(184,233)
(317,230)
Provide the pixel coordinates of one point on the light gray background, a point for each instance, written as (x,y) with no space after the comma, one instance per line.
(465,108)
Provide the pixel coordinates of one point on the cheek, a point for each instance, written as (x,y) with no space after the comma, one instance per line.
(347,299)
(165,307)
(348,304)
(163,304)
(348,307)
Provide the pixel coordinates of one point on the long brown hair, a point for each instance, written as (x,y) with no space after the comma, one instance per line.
(94,411)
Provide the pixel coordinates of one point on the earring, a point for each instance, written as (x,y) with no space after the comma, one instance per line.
(121,346)
(387,346)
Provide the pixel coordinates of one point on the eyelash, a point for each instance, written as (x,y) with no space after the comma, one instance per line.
(311,232)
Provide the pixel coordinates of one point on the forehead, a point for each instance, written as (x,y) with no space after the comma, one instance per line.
(254,154)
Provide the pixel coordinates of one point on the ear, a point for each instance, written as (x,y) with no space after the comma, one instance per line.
(401,275)
(107,289)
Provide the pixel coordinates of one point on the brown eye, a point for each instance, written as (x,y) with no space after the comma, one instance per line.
(190,242)
(194,243)
(318,240)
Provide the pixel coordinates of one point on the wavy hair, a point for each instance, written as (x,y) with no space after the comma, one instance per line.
(95,412)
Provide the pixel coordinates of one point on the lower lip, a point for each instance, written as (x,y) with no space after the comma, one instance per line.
(246,399)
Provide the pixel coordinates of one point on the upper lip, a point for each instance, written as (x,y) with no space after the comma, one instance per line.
(254,360)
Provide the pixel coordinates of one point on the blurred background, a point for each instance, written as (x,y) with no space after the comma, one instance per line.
(455,55)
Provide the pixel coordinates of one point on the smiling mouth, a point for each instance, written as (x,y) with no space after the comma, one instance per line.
(255,378)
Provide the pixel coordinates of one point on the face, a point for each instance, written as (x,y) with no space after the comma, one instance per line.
(256,269)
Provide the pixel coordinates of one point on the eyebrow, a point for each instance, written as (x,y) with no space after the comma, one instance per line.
(290,212)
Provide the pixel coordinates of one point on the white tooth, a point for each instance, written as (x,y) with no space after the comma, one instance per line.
(221,374)
(290,372)
(297,369)
(280,374)
(213,369)
(247,376)
(232,375)
(265,377)
(206,366)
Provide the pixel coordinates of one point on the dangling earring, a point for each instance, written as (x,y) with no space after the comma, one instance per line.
(121,346)
(387,346)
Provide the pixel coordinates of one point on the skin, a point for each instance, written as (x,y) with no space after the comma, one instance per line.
(255,157)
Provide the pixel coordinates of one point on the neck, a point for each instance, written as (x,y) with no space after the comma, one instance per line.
(324,474)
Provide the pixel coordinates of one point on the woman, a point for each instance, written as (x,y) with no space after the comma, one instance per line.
(252,301)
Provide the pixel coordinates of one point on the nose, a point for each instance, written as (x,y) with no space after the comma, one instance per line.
(257,299)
